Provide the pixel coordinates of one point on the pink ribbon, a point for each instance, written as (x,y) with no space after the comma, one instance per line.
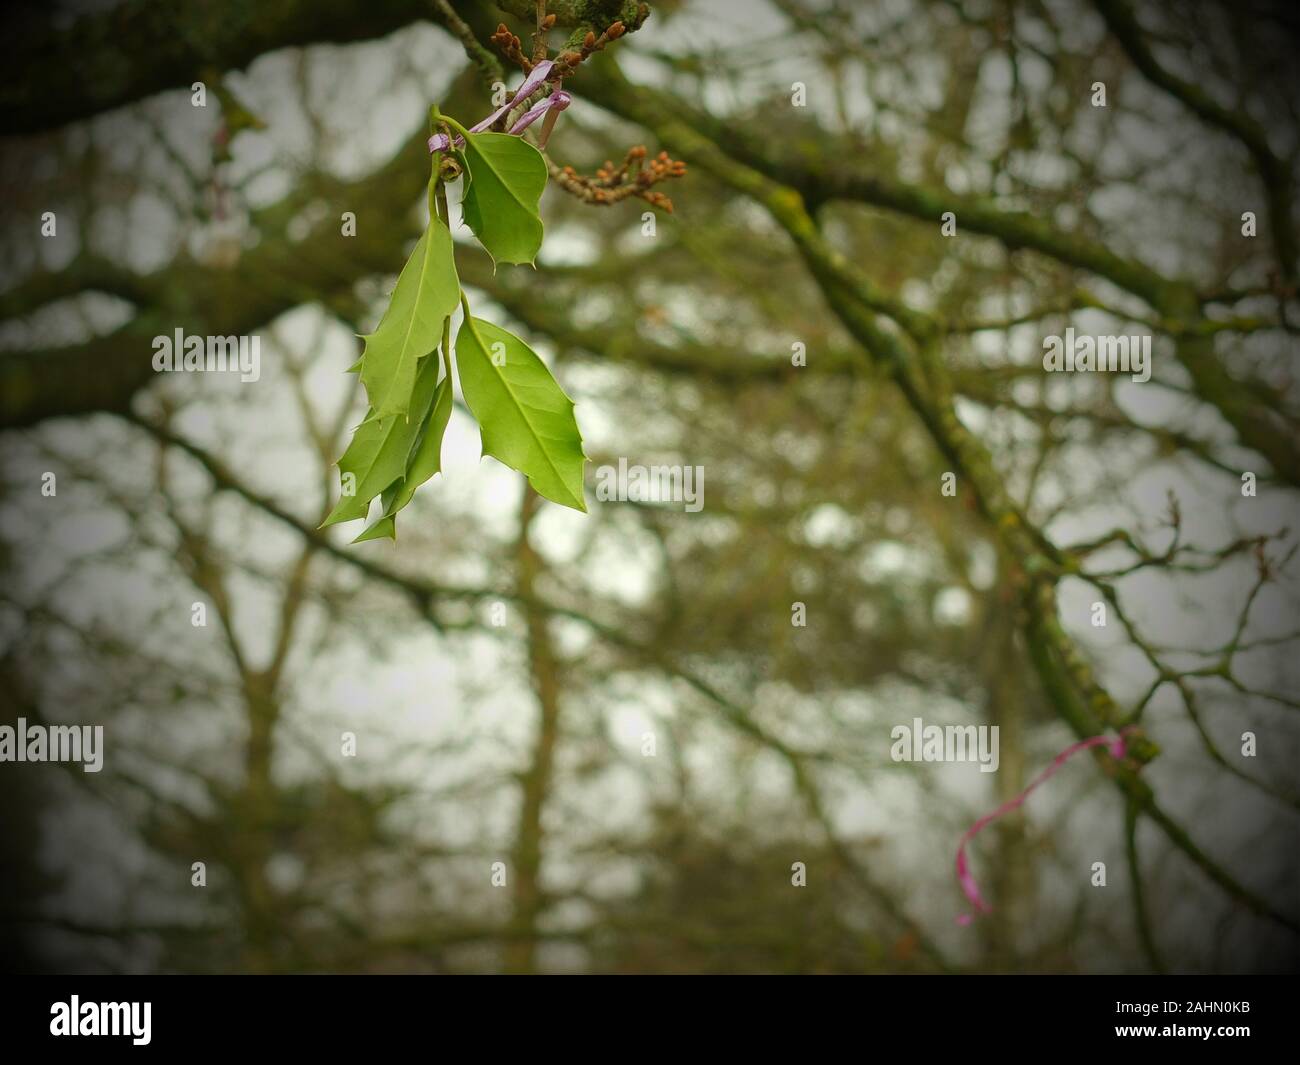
(438,142)
(968,885)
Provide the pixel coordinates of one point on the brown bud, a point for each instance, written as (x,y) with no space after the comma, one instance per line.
(615,31)
(589,41)
(548,22)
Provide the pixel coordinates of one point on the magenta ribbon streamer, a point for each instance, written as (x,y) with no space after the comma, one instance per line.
(968,885)
(438,142)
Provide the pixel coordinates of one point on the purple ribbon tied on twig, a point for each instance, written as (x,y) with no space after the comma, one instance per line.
(558,101)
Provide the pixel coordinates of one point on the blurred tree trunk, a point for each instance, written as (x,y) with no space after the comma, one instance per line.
(521,948)
(257,803)
(1011,880)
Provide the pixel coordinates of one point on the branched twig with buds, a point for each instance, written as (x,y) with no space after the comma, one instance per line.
(634,177)
(611,184)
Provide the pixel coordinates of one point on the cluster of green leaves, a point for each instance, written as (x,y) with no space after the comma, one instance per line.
(526,420)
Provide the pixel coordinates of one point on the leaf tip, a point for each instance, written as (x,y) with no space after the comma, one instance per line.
(384,529)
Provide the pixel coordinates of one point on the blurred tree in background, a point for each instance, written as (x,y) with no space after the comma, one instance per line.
(887,207)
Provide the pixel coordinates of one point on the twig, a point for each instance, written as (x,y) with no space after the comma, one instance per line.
(488,64)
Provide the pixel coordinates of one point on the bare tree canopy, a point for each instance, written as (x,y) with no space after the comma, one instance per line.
(935,369)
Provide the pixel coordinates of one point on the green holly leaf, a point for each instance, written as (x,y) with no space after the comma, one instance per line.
(381,447)
(426,457)
(526,419)
(383,529)
(427,292)
(505,179)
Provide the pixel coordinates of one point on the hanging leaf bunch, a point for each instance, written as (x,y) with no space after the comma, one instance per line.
(407,365)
